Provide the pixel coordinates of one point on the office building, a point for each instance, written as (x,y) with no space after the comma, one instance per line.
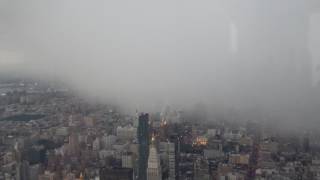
(154,168)
(143,140)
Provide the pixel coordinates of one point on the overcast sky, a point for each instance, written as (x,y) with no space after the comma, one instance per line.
(231,53)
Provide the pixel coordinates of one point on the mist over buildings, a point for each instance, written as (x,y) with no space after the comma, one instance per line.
(234,54)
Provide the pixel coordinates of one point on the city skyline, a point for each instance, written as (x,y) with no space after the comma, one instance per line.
(160,90)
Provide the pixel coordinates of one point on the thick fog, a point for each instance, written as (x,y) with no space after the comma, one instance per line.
(238,54)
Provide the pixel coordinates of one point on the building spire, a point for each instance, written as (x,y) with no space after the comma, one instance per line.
(81,177)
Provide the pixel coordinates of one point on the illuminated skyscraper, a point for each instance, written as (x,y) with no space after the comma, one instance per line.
(154,168)
(143,139)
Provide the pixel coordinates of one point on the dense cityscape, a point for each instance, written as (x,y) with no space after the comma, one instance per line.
(160,90)
(48,133)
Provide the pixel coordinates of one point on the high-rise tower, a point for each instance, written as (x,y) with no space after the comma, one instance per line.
(143,139)
(154,168)
(172,161)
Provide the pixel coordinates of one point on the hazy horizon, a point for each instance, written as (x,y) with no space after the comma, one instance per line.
(243,55)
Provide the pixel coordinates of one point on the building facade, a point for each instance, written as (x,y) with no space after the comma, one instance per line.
(143,140)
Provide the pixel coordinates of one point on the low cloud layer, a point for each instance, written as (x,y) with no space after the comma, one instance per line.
(139,53)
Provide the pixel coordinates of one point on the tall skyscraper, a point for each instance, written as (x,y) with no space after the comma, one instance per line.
(154,168)
(172,161)
(168,153)
(143,139)
(174,151)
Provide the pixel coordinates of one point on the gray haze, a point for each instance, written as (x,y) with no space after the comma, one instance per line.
(239,54)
